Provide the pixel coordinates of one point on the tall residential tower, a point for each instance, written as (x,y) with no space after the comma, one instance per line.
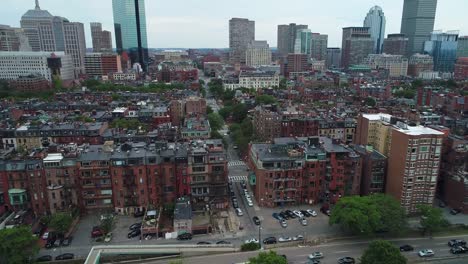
(417,23)
(287,37)
(241,34)
(130,30)
(102,39)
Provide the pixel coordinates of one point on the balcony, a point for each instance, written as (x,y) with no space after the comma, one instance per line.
(284,179)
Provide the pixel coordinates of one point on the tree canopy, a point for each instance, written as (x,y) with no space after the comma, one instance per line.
(270,257)
(61,222)
(265,99)
(127,123)
(17,245)
(382,252)
(369,214)
(216,121)
(432,219)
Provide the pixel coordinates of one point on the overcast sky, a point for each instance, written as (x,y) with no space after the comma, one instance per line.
(204,23)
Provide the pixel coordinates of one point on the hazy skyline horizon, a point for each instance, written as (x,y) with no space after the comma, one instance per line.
(211,28)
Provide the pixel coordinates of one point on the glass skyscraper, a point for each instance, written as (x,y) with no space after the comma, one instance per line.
(417,23)
(303,41)
(130,30)
(443,48)
(375,21)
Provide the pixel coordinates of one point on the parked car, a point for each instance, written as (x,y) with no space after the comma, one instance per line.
(456,242)
(44,258)
(316,255)
(204,243)
(270,240)
(455,211)
(346,260)
(426,253)
(284,239)
(239,212)
(235,205)
(97,232)
(57,243)
(303,221)
(65,256)
(290,214)
(249,203)
(312,212)
(45,236)
(283,223)
(441,204)
(305,213)
(223,242)
(277,216)
(459,250)
(298,237)
(252,240)
(284,215)
(108,237)
(134,233)
(66,241)
(139,213)
(298,213)
(313,261)
(185,236)
(135,226)
(256,220)
(50,243)
(405,248)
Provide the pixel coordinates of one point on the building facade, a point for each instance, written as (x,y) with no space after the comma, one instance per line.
(102,64)
(395,44)
(295,63)
(258,53)
(287,35)
(241,33)
(333,58)
(417,23)
(375,21)
(356,45)
(130,30)
(397,65)
(13,39)
(14,65)
(461,68)
(302,45)
(102,40)
(443,48)
(318,46)
(419,63)
(462,47)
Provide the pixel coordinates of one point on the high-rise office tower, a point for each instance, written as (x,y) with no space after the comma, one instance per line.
(102,40)
(258,53)
(333,58)
(13,39)
(395,44)
(53,33)
(443,48)
(356,45)
(462,47)
(302,43)
(318,46)
(130,30)
(241,34)
(375,21)
(287,37)
(417,23)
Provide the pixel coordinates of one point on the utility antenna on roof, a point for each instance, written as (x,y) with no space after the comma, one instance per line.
(37,5)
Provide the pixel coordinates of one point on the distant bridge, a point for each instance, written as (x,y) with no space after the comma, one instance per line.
(98,251)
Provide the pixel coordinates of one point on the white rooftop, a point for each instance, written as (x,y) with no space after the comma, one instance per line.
(53,157)
(418,130)
(377,117)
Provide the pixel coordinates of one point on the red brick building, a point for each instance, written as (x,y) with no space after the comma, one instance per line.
(461,68)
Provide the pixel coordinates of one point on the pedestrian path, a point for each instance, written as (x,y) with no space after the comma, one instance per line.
(237,178)
(236,163)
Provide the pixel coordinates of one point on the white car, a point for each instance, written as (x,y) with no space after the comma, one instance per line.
(426,253)
(45,236)
(285,239)
(312,212)
(250,203)
(298,213)
(247,196)
(303,221)
(298,237)
(252,240)
(283,223)
(316,255)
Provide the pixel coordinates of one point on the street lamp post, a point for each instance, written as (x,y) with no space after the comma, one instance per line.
(260,235)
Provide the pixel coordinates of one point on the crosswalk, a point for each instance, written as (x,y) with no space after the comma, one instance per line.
(236,163)
(237,178)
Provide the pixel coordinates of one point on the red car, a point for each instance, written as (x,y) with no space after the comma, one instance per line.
(97,232)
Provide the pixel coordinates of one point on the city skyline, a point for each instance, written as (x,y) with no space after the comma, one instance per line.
(165,31)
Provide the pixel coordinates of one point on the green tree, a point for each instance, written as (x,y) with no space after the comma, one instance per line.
(265,99)
(225,112)
(369,101)
(61,222)
(239,112)
(382,252)
(283,84)
(107,224)
(250,247)
(432,219)
(369,214)
(216,121)
(215,135)
(57,81)
(270,257)
(17,245)
(209,110)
